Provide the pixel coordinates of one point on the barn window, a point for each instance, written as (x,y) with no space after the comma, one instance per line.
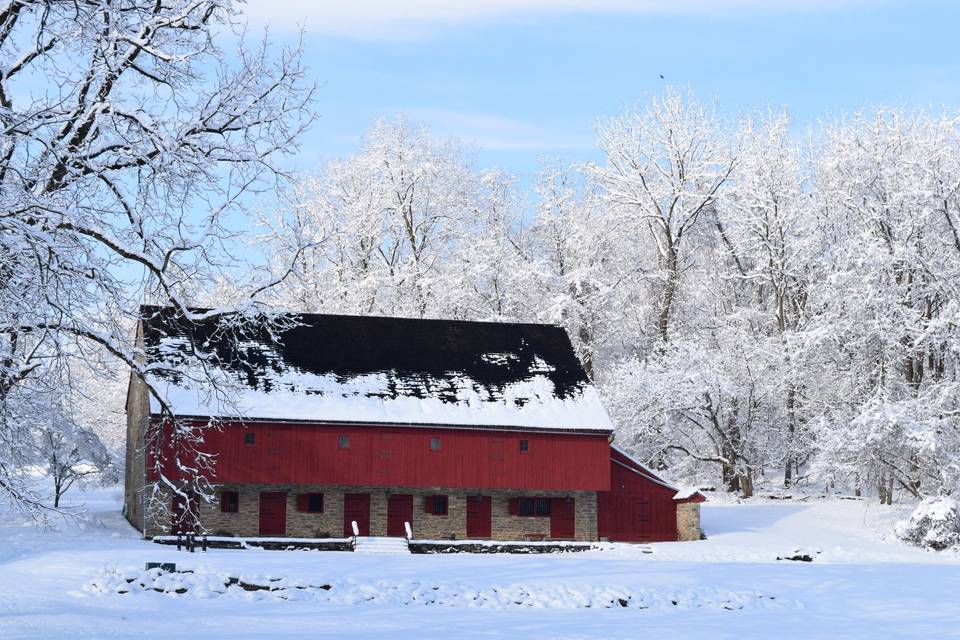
(310,502)
(434,444)
(530,506)
(249,437)
(524,446)
(436,505)
(344,442)
(229,501)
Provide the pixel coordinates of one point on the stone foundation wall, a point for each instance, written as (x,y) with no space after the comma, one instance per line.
(329,523)
(688,521)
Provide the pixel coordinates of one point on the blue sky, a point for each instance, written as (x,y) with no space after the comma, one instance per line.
(521,79)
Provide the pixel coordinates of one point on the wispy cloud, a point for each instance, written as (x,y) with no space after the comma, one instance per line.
(492,132)
(401,19)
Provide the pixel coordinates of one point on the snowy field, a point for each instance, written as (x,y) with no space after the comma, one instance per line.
(65,584)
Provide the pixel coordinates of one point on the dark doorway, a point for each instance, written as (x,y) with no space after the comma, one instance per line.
(478,517)
(563,519)
(273,513)
(399,510)
(356,508)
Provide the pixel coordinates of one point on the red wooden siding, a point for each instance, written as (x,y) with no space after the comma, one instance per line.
(288,453)
(635,509)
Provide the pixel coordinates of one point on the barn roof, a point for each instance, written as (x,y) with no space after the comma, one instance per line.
(337,368)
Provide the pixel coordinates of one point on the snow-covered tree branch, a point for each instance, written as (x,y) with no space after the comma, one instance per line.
(119,176)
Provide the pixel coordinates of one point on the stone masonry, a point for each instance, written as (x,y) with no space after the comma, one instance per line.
(688,521)
(137,422)
(329,523)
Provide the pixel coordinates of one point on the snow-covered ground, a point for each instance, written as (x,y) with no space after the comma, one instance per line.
(65,583)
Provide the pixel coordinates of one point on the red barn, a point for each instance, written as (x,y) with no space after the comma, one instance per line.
(463,430)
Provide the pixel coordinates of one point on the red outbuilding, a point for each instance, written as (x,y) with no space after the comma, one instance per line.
(443,429)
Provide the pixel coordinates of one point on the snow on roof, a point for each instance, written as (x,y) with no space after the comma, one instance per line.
(330,368)
(686,493)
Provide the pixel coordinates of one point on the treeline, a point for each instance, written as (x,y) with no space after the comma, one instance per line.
(756,305)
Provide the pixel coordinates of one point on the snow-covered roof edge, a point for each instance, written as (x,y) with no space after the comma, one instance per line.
(587,430)
(686,493)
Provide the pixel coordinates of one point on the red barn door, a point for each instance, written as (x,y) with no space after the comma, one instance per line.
(478,517)
(356,508)
(273,513)
(399,510)
(562,519)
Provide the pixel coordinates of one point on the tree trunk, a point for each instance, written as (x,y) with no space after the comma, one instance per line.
(791,434)
(746,485)
(586,341)
(57,491)
(885,489)
(728,472)
(669,289)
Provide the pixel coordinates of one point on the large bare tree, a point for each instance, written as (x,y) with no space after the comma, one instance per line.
(128,140)
(665,165)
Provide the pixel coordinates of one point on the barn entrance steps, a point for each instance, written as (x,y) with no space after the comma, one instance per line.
(381,545)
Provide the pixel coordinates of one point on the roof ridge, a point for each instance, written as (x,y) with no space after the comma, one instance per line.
(303,314)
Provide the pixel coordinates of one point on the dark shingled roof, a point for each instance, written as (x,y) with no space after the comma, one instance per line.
(421,358)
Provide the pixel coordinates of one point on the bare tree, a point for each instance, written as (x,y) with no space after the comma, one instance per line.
(665,165)
(391,229)
(118,178)
(766,225)
(73,454)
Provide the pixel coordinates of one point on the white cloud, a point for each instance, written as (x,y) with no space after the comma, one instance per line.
(493,132)
(402,19)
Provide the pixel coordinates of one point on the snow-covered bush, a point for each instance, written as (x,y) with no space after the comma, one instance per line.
(934,524)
